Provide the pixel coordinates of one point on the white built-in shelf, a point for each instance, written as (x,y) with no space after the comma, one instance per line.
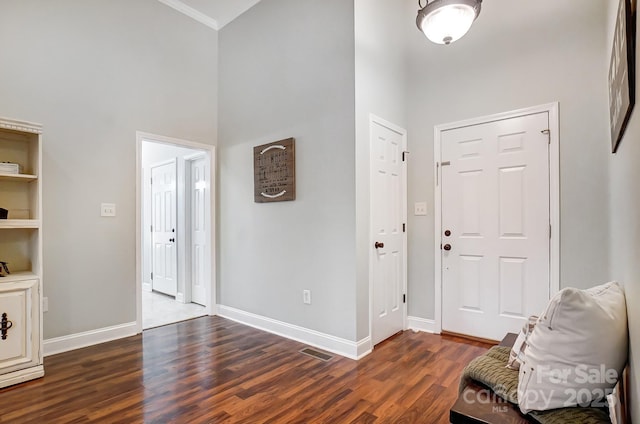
(18,276)
(18,177)
(21,356)
(9,224)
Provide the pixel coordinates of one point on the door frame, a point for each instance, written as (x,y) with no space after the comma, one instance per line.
(210,152)
(377,120)
(554,194)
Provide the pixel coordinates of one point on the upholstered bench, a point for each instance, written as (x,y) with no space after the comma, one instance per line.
(478,404)
(492,409)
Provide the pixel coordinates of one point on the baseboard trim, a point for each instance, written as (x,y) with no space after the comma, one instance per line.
(333,344)
(89,338)
(21,376)
(422,324)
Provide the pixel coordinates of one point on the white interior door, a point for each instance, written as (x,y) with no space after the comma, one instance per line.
(388,212)
(163,232)
(199,187)
(495,225)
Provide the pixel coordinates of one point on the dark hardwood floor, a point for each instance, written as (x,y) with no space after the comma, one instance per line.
(212,370)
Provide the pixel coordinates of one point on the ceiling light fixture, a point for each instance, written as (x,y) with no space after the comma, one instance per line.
(445,21)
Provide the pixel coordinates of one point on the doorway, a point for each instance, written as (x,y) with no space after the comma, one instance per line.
(496,221)
(388,242)
(175,230)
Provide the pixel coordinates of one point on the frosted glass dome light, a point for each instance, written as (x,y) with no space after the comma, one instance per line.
(445,21)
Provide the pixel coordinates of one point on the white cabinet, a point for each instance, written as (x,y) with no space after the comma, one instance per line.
(21,249)
(19,306)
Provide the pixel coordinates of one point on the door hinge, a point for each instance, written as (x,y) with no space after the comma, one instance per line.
(549,231)
(404,228)
(404,298)
(152,275)
(152,228)
(404,155)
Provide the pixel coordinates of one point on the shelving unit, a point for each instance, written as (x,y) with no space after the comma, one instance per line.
(21,247)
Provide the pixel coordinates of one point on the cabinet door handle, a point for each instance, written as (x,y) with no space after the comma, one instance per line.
(5,325)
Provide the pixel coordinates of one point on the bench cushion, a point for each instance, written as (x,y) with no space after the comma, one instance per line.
(490,371)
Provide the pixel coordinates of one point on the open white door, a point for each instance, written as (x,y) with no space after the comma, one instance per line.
(495,229)
(199,193)
(163,230)
(388,217)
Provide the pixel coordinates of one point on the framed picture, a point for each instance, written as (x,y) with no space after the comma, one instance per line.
(274,171)
(622,71)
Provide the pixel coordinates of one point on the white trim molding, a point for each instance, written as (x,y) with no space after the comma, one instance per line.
(192,13)
(333,344)
(423,324)
(89,338)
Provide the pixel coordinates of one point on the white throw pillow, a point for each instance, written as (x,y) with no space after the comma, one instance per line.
(576,351)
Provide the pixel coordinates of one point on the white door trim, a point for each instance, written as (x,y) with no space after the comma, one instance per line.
(554,193)
(376,119)
(210,151)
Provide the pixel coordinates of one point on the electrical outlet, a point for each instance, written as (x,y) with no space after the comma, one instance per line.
(108,209)
(306,297)
(45,304)
(420,208)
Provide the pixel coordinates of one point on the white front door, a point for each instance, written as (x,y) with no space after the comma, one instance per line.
(495,225)
(163,231)
(387,244)
(199,187)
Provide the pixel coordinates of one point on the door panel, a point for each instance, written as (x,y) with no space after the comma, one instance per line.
(495,202)
(165,260)
(387,215)
(199,187)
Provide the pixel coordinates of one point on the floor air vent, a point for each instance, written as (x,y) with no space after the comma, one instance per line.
(316,354)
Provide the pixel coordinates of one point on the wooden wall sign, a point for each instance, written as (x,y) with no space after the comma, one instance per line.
(274,171)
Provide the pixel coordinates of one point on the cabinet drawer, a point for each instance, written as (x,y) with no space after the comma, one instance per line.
(20,346)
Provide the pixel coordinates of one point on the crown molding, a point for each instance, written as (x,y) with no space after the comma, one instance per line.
(24,126)
(192,13)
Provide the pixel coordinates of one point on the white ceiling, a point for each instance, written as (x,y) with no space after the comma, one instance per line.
(213,13)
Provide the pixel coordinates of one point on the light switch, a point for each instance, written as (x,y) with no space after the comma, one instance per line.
(420,208)
(108,209)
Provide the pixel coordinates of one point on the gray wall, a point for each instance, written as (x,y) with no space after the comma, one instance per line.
(625,225)
(94,72)
(508,61)
(287,70)
(380,89)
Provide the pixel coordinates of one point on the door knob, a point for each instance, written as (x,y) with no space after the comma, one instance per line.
(447,247)
(447,233)
(172,240)
(379,245)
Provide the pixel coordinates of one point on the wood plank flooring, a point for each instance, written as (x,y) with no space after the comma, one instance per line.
(212,370)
